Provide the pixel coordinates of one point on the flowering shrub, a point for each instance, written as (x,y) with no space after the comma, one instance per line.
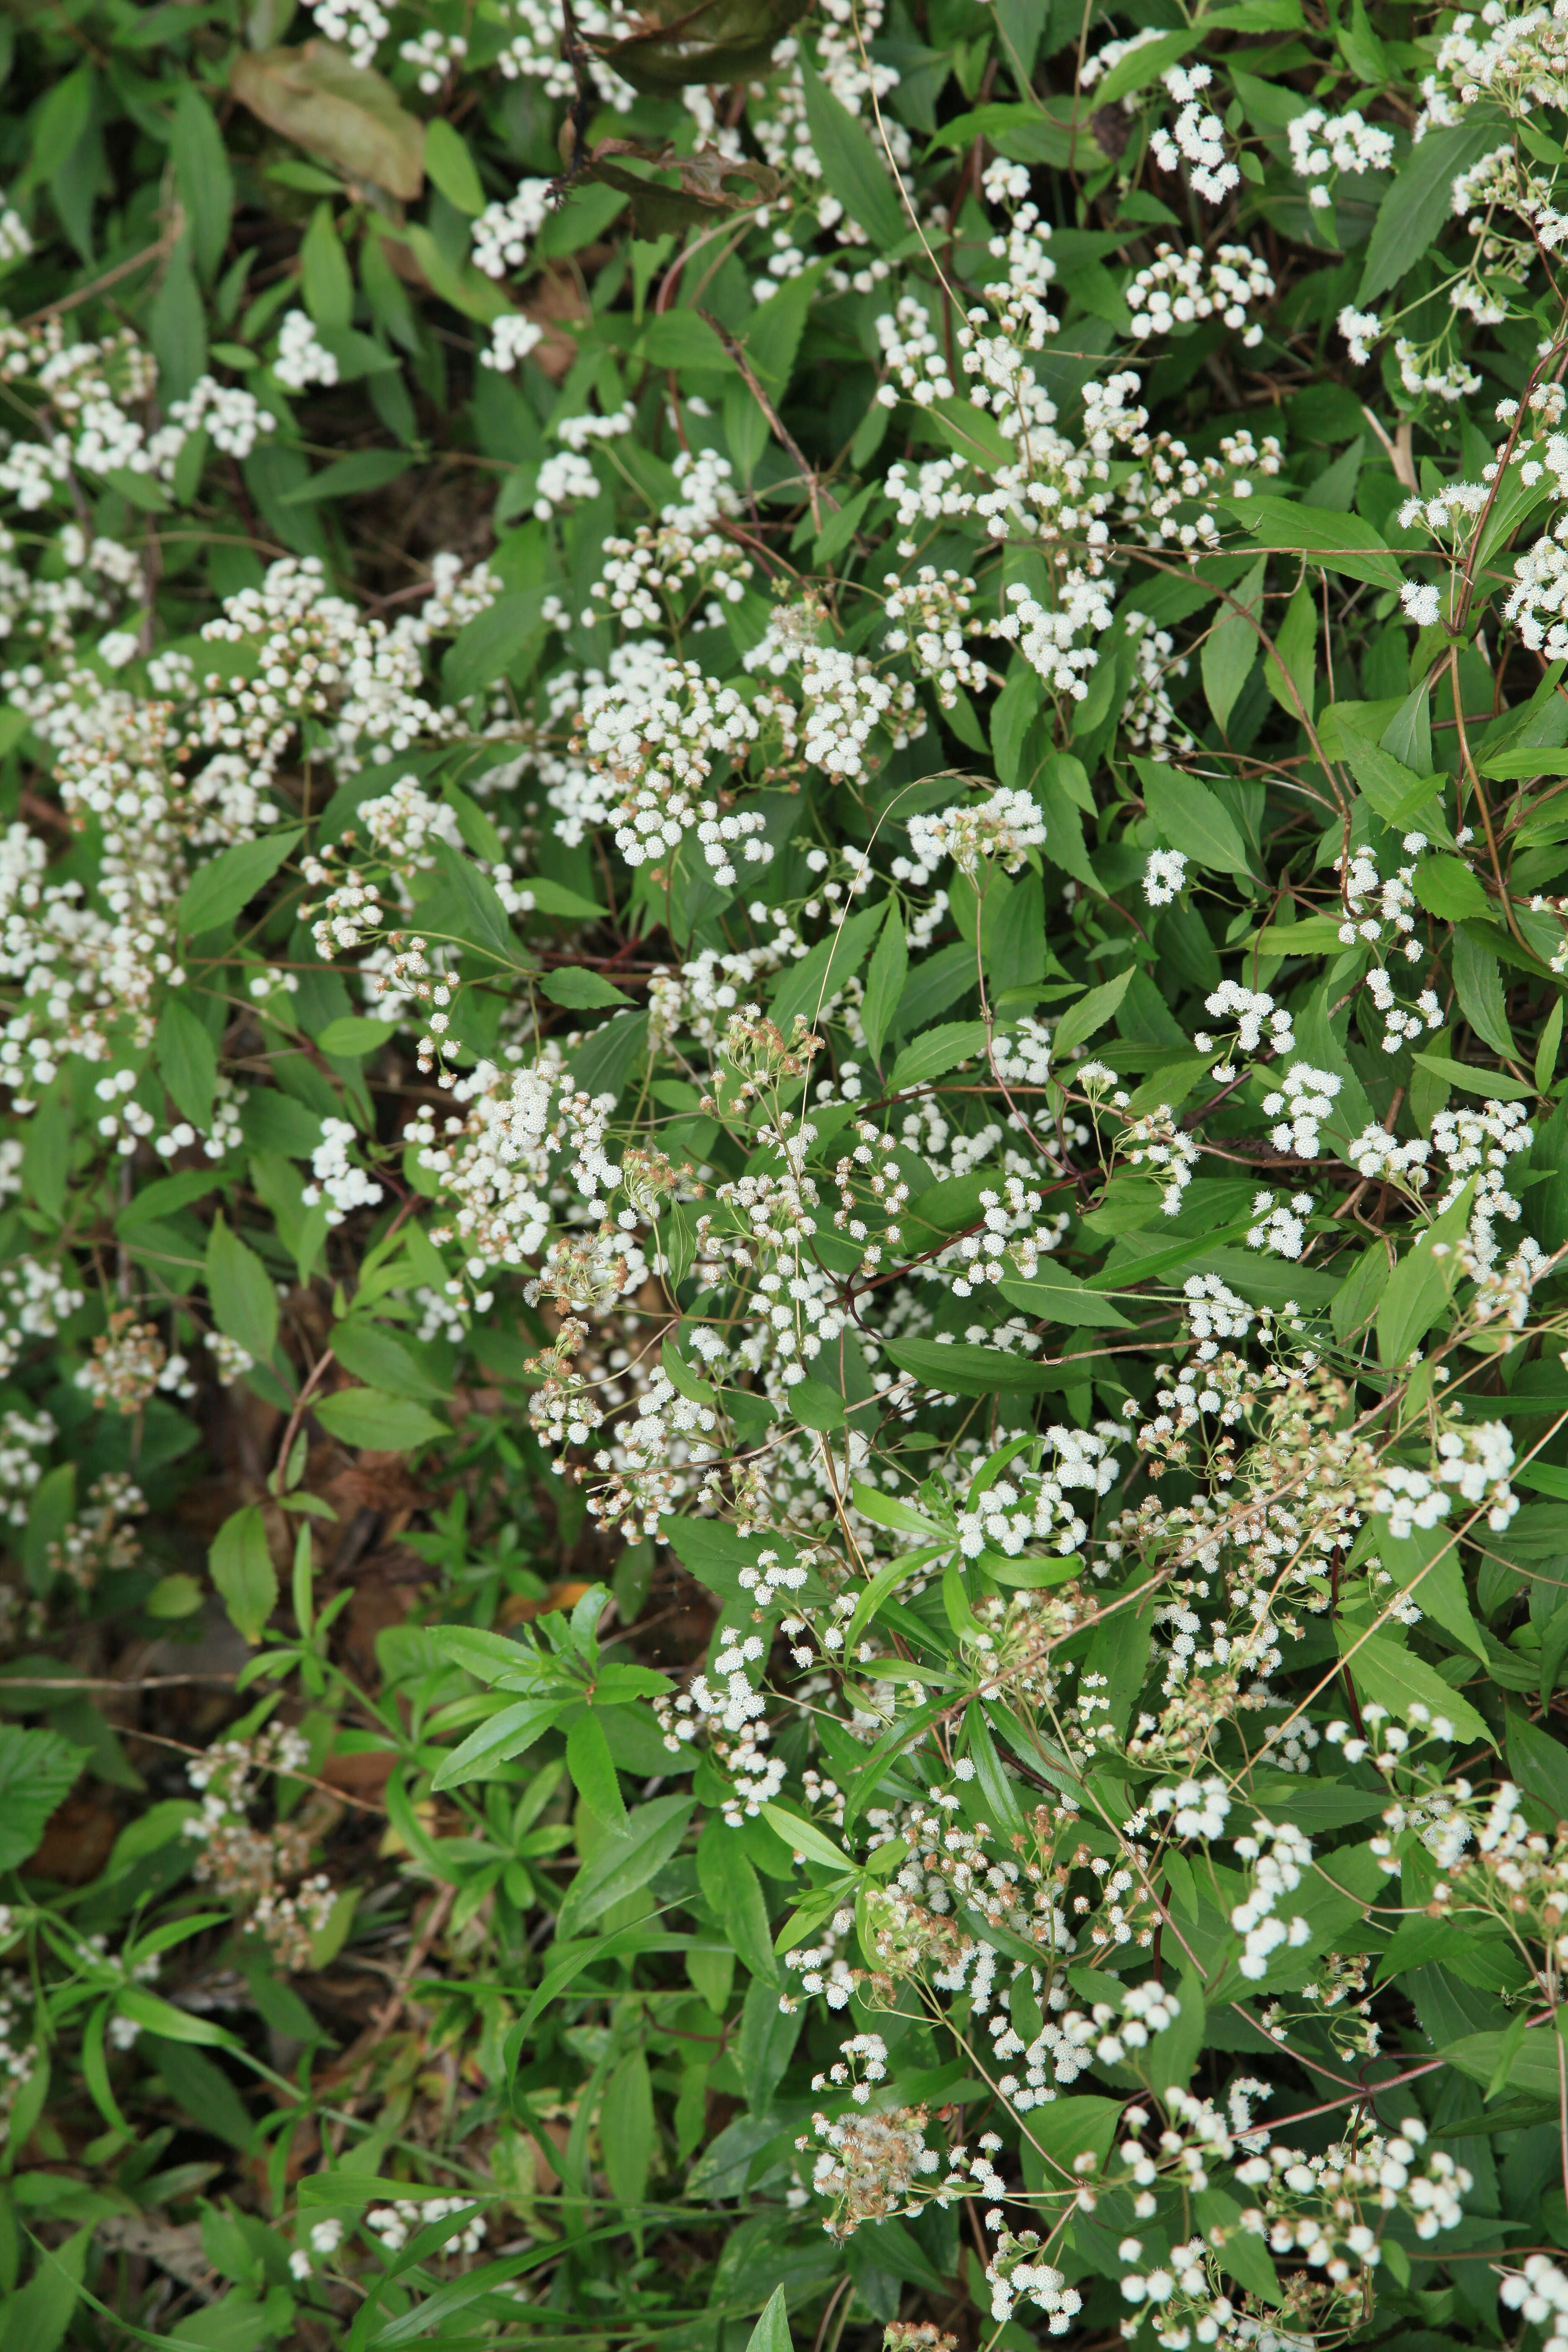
(783,1348)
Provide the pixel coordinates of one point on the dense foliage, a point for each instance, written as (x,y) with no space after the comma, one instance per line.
(785,1441)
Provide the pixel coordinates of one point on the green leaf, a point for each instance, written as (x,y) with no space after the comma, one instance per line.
(1295,643)
(680,339)
(804,987)
(804,1837)
(325,277)
(1384,1670)
(1395,791)
(1339,542)
(158,2016)
(554,898)
(38,1771)
(1231,646)
(1055,1295)
(816,1406)
(1533,2070)
(592,1770)
(1193,819)
(1408,734)
(962,1369)
(218,893)
(1426,1561)
(1091,1012)
(36,2318)
(734,1894)
(187,1062)
(1236,2249)
(1421,1285)
(1539,1763)
(176,329)
(624,1864)
(353,1034)
(450,164)
(378,1358)
(241,1564)
(1472,1081)
(487,1655)
(1013,715)
(473,910)
(1420,198)
(937,1050)
(202,176)
(627,2129)
(1173,2053)
(885,978)
(392,1424)
(1362,49)
(771,2333)
(1448,889)
(582,990)
(1547,1050)
(1477,984)
(244,1299)
(488,646)
(853,167)
(511,1732)
(350,477)
(46,1152)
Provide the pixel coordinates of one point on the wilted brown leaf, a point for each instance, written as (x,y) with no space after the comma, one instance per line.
(344,113)
(694,190)
(719,41)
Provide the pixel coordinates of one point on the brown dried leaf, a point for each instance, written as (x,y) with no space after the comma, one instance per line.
(718,41)
(344,113)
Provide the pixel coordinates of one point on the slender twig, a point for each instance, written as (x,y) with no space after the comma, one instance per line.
(816,493)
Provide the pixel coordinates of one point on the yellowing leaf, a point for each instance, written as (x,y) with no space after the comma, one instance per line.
(345,113)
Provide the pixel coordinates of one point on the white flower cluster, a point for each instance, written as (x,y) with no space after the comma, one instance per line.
(1520,62)
(395,2224)
(1300,1108)
(1198,137)
(359,26)
(1044,634)
(302,359)
(1004,827)
(503,235)
(1181,289)
(21,1441)
(659,739)
(512,336)
(1034,1506)
(1281,1228)
(1473,1461)
(1164,876)
(1280,1856)
(1323,144)
(930,617)
(338,1179)
(434,54)
(1249,1009)
(1198,1809)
